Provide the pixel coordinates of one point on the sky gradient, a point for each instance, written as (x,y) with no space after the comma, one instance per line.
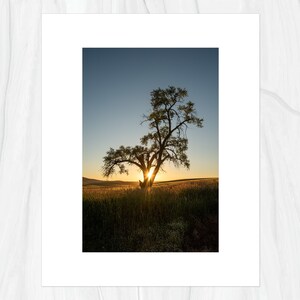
(116,93)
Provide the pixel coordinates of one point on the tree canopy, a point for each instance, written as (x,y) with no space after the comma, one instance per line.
(166,141)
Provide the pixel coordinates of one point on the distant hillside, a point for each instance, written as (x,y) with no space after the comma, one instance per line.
(188,179)
(90,181)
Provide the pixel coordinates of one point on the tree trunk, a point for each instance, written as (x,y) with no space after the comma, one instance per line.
(148,182)
(145,183)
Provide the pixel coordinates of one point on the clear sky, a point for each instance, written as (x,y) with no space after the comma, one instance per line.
(116,93)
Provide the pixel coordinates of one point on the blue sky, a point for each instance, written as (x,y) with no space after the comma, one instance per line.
(116,93)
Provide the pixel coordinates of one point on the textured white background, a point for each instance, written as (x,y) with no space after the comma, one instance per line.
(20,148)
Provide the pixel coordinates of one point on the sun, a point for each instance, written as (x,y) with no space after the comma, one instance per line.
(150,173)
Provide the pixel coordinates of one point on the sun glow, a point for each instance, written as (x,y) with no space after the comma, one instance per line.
(150,173)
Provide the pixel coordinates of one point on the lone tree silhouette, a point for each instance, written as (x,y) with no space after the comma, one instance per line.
(168,121)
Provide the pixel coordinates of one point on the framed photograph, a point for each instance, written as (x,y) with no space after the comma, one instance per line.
(150,150)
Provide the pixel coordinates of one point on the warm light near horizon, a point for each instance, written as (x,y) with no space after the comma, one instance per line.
(169,173)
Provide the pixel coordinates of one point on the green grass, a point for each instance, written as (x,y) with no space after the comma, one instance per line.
(174,216)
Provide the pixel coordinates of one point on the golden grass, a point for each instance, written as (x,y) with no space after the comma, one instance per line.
(177,215)
(113,191)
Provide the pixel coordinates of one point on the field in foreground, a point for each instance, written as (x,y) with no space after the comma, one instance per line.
(176,216)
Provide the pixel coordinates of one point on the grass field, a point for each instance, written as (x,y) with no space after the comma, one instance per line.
(176,216)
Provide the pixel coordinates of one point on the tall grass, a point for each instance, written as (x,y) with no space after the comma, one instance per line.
(172,217)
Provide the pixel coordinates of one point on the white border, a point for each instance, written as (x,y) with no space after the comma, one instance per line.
(237,263)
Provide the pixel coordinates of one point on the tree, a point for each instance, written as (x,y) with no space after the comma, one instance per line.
(166,141)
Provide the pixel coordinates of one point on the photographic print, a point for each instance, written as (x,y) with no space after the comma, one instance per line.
(150,150)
